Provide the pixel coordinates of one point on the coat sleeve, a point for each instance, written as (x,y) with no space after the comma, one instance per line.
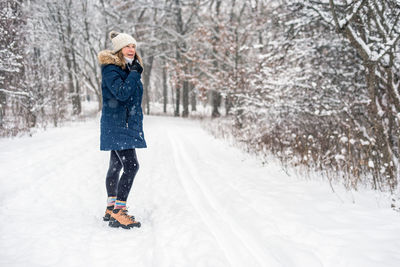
(121,89)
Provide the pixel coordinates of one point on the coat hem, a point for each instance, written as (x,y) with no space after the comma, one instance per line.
(121,148)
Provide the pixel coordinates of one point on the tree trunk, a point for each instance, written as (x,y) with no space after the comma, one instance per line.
(192,97)
(75,89)
(185,99)
(178,88)
(228,104)
(178,96)
(146,82)
(179,27)
(215,95)
(216,103)
(165,88)
(2,107)
(383,148)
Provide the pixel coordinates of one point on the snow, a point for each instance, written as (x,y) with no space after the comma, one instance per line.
(349,16)
(339,157)
(200,201)
(362,44)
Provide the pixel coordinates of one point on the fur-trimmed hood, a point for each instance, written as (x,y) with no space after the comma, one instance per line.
(107,57)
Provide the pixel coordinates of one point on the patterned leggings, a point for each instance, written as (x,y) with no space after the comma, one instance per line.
(121,186)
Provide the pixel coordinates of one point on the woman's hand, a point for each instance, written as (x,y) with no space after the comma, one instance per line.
(136,67)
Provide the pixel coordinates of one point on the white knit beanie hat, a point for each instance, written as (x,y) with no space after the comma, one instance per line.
(120,40)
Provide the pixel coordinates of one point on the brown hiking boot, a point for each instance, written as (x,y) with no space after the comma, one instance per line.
(107,215)
(119,217)
(108,212)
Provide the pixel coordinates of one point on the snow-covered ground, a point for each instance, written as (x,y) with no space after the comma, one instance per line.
(201,203)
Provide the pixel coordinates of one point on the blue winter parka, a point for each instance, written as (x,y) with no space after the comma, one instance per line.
(121,124)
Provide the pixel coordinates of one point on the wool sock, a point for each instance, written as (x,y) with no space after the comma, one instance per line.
(119,204)
(111,201)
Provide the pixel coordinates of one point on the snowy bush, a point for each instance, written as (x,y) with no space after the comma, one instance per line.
(304,92)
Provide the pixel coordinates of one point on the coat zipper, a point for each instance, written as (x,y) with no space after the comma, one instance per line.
(127,117)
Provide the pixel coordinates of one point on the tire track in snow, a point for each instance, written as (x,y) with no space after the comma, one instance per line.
(234,241)
(258,229)
(200,209)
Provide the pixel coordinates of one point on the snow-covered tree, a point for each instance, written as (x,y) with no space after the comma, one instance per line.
(373,29)
(12,86)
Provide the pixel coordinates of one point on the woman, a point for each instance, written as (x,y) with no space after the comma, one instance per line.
(121,123)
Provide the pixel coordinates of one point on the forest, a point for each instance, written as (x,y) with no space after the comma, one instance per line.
(316,83)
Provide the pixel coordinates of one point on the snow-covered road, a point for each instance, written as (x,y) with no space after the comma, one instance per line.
(201,203)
